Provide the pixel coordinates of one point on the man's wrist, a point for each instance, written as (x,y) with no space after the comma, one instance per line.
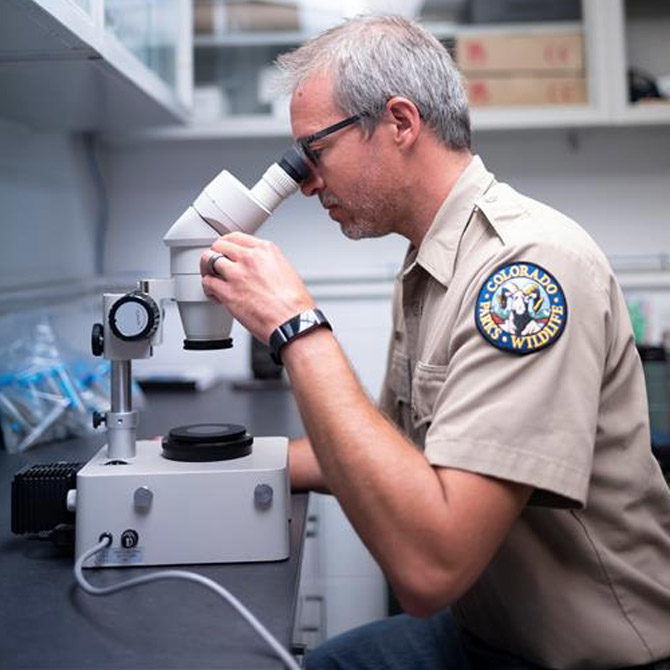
(298,326)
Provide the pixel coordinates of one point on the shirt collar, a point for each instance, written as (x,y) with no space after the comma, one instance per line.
(437,253)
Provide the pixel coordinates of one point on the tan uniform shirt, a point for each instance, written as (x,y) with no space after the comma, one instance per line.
(583,578)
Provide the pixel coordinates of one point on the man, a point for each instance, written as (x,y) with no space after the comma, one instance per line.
(508,474)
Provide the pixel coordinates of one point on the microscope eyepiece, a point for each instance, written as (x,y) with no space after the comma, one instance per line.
(294,164)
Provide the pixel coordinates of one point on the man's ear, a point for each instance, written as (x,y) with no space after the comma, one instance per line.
(406,120)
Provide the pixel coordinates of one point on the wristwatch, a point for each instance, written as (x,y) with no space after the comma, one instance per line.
(296,327)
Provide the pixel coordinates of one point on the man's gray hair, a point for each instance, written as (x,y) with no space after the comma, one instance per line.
(373,58)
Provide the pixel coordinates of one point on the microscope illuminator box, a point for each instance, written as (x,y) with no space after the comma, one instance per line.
(164,512)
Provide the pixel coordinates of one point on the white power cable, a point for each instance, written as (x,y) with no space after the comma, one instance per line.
(288,660)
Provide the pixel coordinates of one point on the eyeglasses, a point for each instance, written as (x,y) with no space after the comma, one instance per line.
(313,154)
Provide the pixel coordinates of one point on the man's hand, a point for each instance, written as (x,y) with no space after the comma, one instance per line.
(255,282)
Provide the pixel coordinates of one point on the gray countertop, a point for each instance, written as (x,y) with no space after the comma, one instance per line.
(46,621)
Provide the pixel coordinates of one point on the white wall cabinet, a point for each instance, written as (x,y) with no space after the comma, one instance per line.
(83,65)
(615,33)
(341,585)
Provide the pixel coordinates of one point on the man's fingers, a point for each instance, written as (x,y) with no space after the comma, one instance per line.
(237,238)
(228,249)
(213,287)
(205,259)
(212,263)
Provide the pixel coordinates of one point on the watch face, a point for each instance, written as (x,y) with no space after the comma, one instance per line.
(307,319)
(299,324)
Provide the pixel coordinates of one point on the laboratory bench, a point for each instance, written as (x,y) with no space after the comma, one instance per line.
(47,621)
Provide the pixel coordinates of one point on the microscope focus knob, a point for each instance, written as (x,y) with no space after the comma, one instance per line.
(98,339)
(135,316)
(98,419)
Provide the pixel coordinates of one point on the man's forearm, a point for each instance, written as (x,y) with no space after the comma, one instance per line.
(385,486)
(304,468)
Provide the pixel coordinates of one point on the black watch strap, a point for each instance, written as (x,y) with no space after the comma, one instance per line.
(299,325)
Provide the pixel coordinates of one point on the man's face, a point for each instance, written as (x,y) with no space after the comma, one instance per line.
(351,178)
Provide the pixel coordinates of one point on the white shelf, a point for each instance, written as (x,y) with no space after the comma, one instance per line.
(648,113)
(526,117)
(645,273)
(226,128)
(483,120)
(446,30)
(644,281)
(18,297)
(250,39)
(441,30)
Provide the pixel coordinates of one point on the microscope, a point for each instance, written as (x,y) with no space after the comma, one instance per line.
(206,493)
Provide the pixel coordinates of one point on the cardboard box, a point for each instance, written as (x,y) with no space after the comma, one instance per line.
(514,90)
(244,16)
(209,17)
(557,52)
(215,17)
(203,19)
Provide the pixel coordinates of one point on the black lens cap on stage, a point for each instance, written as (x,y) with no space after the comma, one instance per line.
(207,442)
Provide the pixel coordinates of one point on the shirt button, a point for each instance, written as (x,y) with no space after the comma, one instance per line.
(490,198)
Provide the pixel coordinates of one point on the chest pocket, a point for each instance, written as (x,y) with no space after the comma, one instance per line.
(427,382)
(399,376)
(396,403)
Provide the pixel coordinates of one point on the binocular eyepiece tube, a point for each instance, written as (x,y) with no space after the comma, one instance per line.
(225,205)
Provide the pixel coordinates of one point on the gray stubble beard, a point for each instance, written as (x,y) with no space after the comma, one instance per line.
(367,224)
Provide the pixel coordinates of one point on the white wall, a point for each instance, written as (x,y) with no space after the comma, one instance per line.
(46,209)
(612,181)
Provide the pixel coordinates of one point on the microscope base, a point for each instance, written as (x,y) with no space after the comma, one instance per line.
(165,512)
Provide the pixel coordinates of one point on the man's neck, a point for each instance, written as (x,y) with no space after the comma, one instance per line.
(447,166)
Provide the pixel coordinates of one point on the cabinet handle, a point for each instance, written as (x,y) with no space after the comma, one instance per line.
(312,526)
(321,628)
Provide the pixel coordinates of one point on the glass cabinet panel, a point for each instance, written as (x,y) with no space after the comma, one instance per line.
(512,53)
(149,29)
(86,5)
(648,54)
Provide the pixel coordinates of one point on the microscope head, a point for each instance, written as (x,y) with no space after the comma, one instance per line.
(225,205)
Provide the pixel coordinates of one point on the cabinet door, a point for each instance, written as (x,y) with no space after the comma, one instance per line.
(645,94)
(65,66)
(525,64)
(149,29)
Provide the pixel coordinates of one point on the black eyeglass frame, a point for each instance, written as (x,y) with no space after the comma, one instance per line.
(305,141)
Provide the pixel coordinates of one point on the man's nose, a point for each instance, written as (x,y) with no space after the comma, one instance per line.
(313,184)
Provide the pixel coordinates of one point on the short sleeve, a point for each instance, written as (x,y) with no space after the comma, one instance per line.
(529,414)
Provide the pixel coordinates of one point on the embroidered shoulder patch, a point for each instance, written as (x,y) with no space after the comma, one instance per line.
(521,308)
